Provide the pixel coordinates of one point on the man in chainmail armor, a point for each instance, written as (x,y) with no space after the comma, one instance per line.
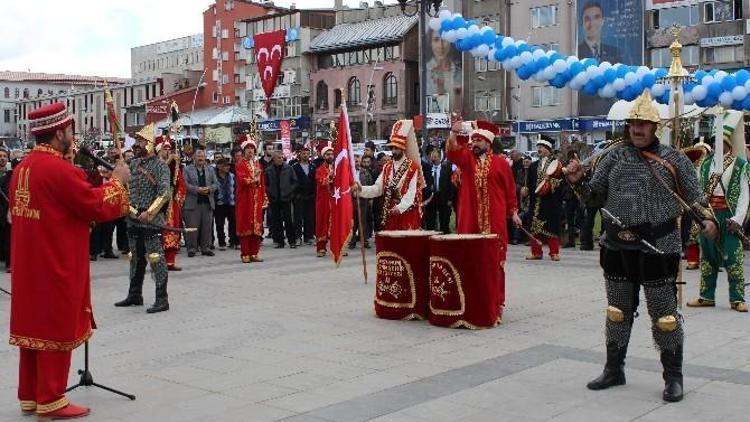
(149,193)
(626,183)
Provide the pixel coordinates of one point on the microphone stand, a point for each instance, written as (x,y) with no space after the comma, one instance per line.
(87,380)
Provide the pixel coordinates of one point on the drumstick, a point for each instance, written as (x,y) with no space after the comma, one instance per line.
(361,237)
(531,236)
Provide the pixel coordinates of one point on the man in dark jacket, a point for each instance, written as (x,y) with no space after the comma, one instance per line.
(304,202)
(437,175)
(281,185)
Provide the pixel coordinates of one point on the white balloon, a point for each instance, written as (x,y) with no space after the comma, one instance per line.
(720,75)
(642,71)
(608,91)
(506,64)
(482,50)
(571,59)
(739,93)
(515,62)
(520,43)
(630,78)
(747,86)
(444,14)
(537,54)
(559,65)
(699,92)
(526,57)
(450,36)
(605,65)
(473,29)
(507,42)
(435,24)
(619,84)
(707,80)
(461,33)
(591,72)
(491,55)
(657,90)
(549,73)
(539,76)
(689,100)
(726,99)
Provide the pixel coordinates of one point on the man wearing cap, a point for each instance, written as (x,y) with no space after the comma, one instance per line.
(629,182)
(723,176)
(323,182)
(545,205)
(250,201)
(149,193)
(400,182)
(170,239)
(51,207)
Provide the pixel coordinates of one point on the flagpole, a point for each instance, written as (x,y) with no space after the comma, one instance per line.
(361,237)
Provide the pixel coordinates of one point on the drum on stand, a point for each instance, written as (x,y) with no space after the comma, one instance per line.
(466,289)
(403,267)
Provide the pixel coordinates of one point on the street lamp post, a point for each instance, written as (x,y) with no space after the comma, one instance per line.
(370,98)
(423,8)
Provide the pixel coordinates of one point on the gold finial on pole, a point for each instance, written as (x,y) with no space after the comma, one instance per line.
(676,69)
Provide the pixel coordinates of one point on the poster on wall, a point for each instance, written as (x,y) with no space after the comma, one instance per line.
(286,138)
(444,71)
(611,31)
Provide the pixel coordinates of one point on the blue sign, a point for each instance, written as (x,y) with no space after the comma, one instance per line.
(539,126)
(590,125)
(248,43)
(292,34)
(275,125)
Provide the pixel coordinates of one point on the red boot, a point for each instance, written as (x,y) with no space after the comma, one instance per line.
(71,411)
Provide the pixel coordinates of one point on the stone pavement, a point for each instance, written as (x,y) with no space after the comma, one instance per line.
(293,339)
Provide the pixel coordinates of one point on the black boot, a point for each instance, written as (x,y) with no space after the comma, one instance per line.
(135,292)
(161,304)
(130,301)
(614,373)
(672,364)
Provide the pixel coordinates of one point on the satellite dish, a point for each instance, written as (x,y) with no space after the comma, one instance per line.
(248,43)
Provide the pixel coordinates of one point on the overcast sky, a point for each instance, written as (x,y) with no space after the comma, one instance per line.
(94,37)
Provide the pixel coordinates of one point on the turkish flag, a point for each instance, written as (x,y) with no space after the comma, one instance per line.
(269,52)
(341,200)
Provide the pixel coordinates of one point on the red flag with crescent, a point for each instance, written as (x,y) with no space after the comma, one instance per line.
(270,48)
(341,202)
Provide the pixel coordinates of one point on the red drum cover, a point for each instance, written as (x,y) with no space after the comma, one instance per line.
(403,268)
(466,288)
(555,169)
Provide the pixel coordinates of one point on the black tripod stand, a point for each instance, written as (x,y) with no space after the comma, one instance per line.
(87,379)
(5,291)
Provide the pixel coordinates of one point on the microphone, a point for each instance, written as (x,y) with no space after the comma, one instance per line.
(87,152)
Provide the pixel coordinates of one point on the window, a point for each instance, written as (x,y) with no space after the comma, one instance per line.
(353,92)
(26,93)
(662,57)
(227,100)
(336,98)
(390,88)
(225,33)
(6,92)
(321,92)
(542,96)
(544,16)
(224,79)
(708,12)
(6,116)
(728,54)
(682,16)
(39,92)
(215,98)
(225,55)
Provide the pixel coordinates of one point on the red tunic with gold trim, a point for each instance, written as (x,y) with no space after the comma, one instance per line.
(487,197)
(250,199)
(171,239)
(322,202)
(400,183)
(52,206)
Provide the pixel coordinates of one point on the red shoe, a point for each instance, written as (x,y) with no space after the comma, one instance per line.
(71,411)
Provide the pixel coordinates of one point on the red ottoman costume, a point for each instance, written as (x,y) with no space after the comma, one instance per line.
(249,203)
(487,197)
(323,181)
(52,206)
(401,182)
(170,239)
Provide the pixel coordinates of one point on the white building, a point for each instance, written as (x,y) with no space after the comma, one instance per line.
(172,56)
(18,87)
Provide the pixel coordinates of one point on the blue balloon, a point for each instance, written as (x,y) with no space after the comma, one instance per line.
(499,43)
(699,75)
(746,103)
(714,90)
(475,40)
(661,72)
(446,25)
(590,88)
(463,45)
(500,55)
(587,63)
(610,75)
(728,83)
(523,47)
(600,81)
(555,57)
(648,80)
(510,52)
(524,72)
(489,37)
(542,63)
(737,105)
(558,81)
(576,68)
(459,22)
(621,71)
(742,76)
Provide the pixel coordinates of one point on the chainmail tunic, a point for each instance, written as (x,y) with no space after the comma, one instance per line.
(149,179)
(624,185)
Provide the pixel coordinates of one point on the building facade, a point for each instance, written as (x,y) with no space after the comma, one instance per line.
(370,60)
(172,56)
(291,98)
(21,87)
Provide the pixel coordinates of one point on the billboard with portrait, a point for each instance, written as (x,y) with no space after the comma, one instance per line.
(612,31)
(444,70)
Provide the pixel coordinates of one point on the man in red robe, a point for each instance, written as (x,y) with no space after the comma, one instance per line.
(323,182)
(249,202)
(52,206)
(400,182)
(170,239)
(487,198)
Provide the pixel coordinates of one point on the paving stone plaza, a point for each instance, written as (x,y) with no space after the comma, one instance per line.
(294,339)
